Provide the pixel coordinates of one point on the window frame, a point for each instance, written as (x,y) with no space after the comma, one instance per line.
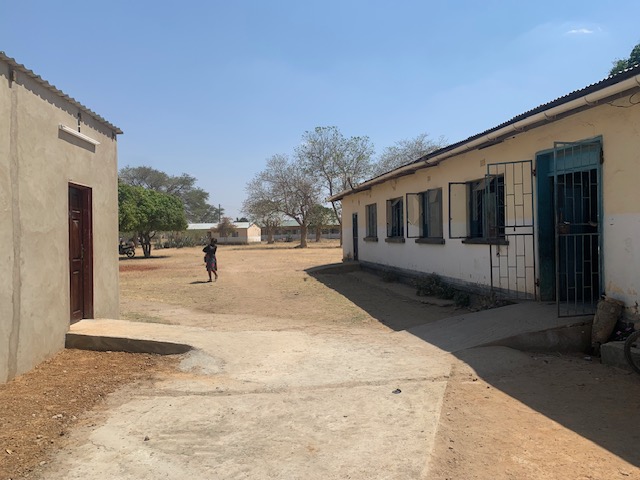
(395,219)
(424,217)
(484,210)
(371,216)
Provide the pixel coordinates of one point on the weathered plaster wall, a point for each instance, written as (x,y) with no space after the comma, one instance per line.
(620,130)
(42,162)
(7,255)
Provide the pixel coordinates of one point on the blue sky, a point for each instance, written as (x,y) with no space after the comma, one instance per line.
(214,88)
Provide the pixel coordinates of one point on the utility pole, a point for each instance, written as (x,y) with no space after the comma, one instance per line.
(219,214)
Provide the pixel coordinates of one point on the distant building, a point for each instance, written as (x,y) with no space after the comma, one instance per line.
(58,217)
(289,230)
(245,233)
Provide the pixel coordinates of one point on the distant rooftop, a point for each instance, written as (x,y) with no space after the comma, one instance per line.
(209,226)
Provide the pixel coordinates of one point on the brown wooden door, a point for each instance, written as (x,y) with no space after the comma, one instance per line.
(80,253)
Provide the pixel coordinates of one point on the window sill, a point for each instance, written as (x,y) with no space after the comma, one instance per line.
(431,240)
(486,241)
(394,240)
(370,239)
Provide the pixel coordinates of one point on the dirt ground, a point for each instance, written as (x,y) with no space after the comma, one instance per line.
(39,408)
(506,414)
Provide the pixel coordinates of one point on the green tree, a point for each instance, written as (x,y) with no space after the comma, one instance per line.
(622,64)
(197,210)
(145,211)
(319,218)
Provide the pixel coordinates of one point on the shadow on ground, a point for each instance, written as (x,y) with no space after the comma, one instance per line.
(598,402)
(383,304)
(141,257)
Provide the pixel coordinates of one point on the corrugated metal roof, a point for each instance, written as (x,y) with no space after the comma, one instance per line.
(421,162)
(292,223)
(610,80)
(208,226)
(59,93)
(201,226)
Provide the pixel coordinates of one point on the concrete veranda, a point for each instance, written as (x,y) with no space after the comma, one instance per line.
(286,404)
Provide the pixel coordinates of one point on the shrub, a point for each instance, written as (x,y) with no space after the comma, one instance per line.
(461,299)
(428,285)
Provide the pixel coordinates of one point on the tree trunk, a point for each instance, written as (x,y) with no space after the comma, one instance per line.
(270,236)
(318,233)
(303,236)
(145,243)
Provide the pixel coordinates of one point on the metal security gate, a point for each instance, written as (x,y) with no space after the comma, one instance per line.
(509,218)
(577,208)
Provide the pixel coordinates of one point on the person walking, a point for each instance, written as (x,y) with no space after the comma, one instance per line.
(210,258)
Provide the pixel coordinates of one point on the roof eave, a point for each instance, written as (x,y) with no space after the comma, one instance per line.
(37,78)
(613,86)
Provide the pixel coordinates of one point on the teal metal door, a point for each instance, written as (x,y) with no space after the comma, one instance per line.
(577,206)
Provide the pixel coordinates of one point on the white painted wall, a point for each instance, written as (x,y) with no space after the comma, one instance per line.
(620,130)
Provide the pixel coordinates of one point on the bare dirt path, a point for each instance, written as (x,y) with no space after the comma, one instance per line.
(489,413)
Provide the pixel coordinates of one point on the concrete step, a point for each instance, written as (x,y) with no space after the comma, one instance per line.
(612,354)
(104,343)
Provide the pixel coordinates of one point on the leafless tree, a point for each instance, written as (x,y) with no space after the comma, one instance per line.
(406,151)
(225,227)
(340,163)
(292,190)
(260,207)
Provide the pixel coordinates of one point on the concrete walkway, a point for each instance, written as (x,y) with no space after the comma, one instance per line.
(529,325)
(266,404)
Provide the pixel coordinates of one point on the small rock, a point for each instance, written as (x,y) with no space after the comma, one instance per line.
(146,439)
(43,463)
(396,391)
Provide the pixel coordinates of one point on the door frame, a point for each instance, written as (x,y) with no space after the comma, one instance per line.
(547,171)
(354,231)
(87,249)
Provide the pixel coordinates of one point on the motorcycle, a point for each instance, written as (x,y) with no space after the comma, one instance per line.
(127,249)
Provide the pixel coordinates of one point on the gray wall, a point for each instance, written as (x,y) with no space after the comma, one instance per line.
(37,162)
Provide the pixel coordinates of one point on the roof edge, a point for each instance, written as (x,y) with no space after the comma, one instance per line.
(516,125)
(14,64)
